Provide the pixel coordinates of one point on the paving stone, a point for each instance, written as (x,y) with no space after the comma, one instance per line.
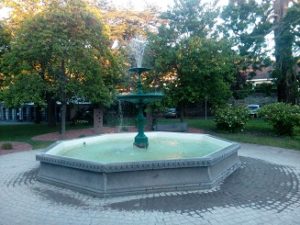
(266,188)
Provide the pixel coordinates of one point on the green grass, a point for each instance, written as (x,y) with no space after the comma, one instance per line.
(24,133)
(256,132)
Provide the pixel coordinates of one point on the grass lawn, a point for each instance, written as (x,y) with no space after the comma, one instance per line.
(256,132)
(25,132)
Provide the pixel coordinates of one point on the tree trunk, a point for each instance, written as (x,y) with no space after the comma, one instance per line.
(98,119)
(38,115)
(63,109)
(51,111)
(149,118)
(281,90)
(284,65)
(181,111)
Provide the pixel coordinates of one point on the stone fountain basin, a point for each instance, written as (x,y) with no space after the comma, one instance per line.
(109,164)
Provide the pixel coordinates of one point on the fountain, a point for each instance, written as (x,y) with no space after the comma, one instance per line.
(110,164)
(140,99)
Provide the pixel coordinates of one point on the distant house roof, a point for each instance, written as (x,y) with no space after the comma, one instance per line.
(261,74)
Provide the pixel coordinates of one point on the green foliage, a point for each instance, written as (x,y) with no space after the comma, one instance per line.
(283,117)
(231,118)
(286,36)
(64,47)
(29,87)
(189,66)
(4,47)
(247,23)
(4,38)
(7,146)
(193,17)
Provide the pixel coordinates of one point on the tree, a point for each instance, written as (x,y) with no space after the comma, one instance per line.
(248,23)
(286,24)
(192,17)
(4,47)
(21,10)
(203,70)
(191,65)
(65,47)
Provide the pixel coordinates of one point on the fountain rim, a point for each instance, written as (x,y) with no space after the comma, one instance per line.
(208,160)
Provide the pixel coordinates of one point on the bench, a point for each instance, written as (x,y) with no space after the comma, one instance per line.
(174,127)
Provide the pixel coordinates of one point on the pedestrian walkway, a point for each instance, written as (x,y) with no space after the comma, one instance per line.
(265,190)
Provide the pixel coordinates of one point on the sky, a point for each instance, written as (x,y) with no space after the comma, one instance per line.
(162,4)
(141,4)
(3,13)
(138,5)
(133,5)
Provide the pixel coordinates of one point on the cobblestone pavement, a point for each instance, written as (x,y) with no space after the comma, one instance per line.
(265,190)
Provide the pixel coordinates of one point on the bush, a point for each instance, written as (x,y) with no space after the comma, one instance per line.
(231,118)
(283,117)
(7,146)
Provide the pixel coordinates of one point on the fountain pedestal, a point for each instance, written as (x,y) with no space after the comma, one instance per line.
(141,140)
(140,99)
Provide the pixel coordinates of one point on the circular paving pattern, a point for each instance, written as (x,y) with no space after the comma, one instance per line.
(260,192)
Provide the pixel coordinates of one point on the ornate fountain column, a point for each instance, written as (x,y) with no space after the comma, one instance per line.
(140,140)
(140,99)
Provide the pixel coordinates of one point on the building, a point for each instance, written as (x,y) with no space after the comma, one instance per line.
(262,76)
(23,113)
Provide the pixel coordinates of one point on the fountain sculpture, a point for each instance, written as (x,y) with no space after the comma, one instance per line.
(110,164)
(140,99)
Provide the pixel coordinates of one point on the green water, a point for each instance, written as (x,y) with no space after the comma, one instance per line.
(122,150)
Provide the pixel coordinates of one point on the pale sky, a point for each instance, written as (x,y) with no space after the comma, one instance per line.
(3,13)
(162,4)
(134,5)
(141,4)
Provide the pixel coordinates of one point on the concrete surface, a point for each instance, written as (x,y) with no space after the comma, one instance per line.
(265,190)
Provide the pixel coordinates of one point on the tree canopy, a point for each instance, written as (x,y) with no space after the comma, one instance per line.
(65,49)
(190,63)
(249,23)
(59,50)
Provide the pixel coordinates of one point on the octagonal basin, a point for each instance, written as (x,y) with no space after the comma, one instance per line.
(110,165)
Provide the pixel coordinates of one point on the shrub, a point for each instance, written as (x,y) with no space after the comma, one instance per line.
(231,118)
(283,117)
(7,146)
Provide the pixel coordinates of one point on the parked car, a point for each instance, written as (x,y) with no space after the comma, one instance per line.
(253,110)
(171,113)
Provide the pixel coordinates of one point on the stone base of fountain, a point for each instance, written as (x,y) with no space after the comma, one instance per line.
(141,141)
(138,177)
(154,179)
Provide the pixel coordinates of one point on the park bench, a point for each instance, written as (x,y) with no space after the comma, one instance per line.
(174,127)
